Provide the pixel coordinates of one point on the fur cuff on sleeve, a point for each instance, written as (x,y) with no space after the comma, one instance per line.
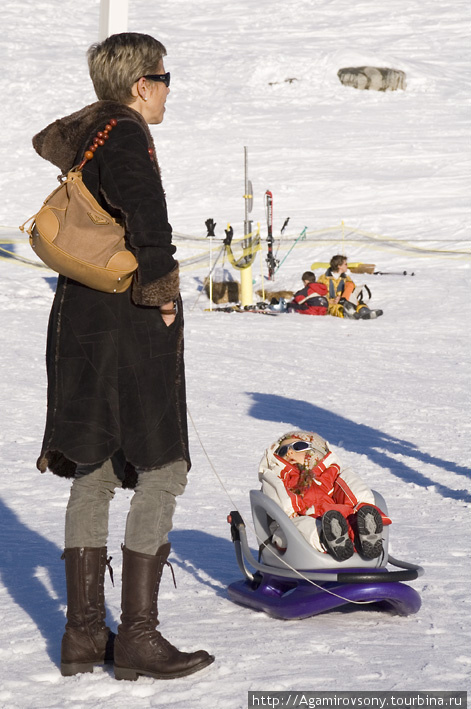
(158,292)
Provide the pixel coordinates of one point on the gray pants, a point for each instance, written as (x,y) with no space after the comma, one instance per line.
(150,516)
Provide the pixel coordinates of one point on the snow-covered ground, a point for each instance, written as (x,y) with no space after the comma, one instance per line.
(392,394)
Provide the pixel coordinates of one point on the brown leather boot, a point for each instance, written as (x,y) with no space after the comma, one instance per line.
(140,649)
(87,640)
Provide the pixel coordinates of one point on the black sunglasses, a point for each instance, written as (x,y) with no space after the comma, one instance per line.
(164,78)
(296,446)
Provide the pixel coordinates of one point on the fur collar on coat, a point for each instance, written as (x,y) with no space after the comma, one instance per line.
(61,140)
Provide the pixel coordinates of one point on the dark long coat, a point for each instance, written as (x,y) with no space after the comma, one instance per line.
(115,370)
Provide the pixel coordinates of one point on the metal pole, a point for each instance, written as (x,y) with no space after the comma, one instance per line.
(246,191)
(210,273)
(248,196)
(246,289)
(113,18)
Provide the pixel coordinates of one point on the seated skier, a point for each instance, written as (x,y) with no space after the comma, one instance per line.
(312,299)
(345,299)
(329,504)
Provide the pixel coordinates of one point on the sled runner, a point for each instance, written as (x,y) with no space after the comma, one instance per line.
(281,583)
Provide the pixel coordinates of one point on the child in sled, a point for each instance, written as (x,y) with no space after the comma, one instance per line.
(312,299)
(330,505)
(345,299)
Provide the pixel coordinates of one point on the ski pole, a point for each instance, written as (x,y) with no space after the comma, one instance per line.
(221,251)
(301,236)
(393,273)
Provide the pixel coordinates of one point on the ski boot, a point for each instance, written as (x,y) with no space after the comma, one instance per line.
(364,313)
(349,309)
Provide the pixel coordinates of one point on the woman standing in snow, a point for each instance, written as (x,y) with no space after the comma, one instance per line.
(116,391)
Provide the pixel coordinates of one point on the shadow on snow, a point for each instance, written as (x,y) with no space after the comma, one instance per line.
(8,252)
(33,573)
(52,282)
(357,438)
(208,558)
(27,557)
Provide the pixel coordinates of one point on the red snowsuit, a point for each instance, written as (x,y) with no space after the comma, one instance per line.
(311,300)
(321,489)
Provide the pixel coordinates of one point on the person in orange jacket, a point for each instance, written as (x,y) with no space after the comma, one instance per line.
(345,299)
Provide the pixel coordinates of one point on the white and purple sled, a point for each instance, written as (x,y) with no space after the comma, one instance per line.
(301,581)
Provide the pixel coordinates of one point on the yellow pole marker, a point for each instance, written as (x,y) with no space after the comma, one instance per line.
(246,290)
(261,268)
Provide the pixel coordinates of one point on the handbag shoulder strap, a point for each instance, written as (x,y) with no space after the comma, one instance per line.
(97,141)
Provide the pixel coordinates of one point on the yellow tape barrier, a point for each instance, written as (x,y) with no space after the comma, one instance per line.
(378,241)
(251,244)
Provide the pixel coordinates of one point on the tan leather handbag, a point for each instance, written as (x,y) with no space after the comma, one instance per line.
(77,238)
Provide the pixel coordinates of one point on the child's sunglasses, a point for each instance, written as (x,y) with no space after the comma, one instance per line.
(296,446)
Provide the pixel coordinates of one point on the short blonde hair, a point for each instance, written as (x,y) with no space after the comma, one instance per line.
(119,61)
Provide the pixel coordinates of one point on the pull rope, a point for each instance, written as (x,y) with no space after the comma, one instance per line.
(211,463)
(260,541)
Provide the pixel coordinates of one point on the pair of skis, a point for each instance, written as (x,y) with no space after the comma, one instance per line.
(247,309)
(272,261)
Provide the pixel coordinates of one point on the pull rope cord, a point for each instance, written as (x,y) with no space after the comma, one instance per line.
(287,564)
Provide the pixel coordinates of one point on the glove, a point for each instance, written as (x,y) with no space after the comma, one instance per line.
(229,235)
(210,226)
